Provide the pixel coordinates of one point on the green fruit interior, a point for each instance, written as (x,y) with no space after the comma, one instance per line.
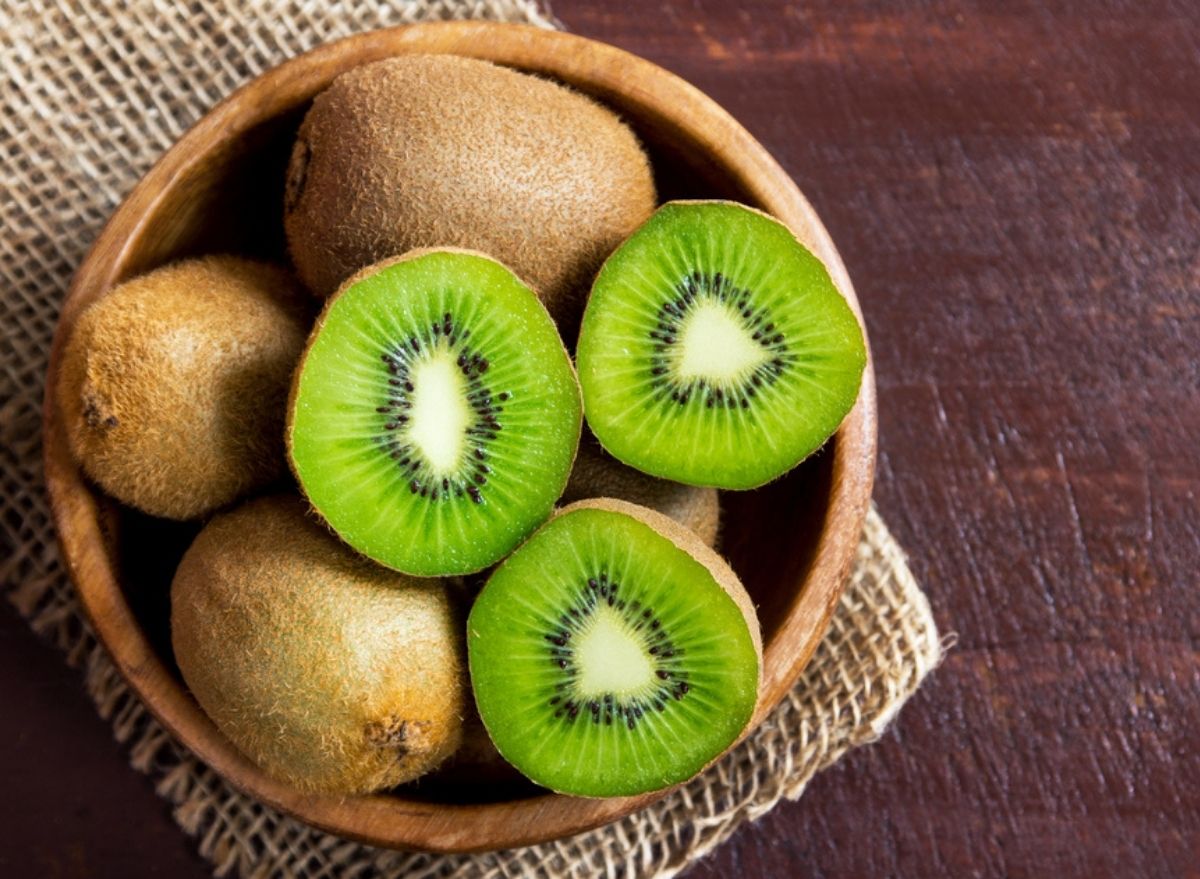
(606,661)
(715,349)
(436,414)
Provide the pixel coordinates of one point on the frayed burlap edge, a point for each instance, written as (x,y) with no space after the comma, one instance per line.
(95,91)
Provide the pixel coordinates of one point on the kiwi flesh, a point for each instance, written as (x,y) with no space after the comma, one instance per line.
(435,414)
(613,653)
(438,150)
(331,673)
(715,348)
(173,386)
(597,474)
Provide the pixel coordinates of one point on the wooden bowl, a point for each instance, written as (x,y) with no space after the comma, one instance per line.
(220,188)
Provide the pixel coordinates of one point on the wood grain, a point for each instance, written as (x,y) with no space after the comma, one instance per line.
(1016,188)
(792,543)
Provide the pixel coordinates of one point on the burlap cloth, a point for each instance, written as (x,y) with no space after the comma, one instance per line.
(93,92)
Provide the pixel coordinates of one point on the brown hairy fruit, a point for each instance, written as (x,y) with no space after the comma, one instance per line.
(597,474)
(173,386)
(328,671)
(438,150)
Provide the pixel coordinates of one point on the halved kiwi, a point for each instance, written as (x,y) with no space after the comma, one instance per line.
(613,653)
(435,415)
(715,349)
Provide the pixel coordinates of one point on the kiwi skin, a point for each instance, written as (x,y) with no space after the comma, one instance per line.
(172,386)
(440,150)
(598,474)
(331,673)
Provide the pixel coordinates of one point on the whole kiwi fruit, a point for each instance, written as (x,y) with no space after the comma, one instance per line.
(173,386)
(597,474)
(328,671)
(439,150)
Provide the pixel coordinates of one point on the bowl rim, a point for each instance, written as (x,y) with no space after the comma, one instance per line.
(603,71)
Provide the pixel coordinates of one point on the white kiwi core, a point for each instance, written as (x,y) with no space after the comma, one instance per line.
(715,345)
(611,657)
(440,413)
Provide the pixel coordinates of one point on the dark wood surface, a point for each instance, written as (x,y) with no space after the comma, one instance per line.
(1016,191)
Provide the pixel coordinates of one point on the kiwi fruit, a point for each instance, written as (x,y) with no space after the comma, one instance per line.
(613,653)
(715,348)
(597,474)
(438,150)
(331,673)
(435,413)
(173,386)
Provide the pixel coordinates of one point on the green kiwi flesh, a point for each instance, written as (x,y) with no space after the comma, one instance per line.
(613,653)
(435,415)
(715,349)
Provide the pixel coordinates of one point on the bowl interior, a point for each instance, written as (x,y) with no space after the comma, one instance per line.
(769,535)
(221,190)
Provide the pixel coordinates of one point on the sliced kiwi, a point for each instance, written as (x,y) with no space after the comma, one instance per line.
(715,349)
(435,415)
(613,653)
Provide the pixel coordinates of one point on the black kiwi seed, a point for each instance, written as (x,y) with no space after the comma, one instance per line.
(673,686)
(690,291)
(484,427)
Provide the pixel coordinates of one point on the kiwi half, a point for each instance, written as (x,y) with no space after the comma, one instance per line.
(613,653)
(715,348)
(435,414)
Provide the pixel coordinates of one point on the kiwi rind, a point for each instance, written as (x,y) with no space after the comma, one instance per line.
(331,673)
(474,555)
(172,385)
(597,474)
(514,739)
(699,251)
(440,150)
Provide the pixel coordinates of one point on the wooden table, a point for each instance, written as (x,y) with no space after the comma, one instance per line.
(1016,192)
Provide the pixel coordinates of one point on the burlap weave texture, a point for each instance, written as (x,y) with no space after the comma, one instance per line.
(93,92)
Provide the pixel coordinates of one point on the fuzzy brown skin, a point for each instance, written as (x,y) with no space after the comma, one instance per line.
(173,386)
(598,474)
(330,672)
(439,150)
